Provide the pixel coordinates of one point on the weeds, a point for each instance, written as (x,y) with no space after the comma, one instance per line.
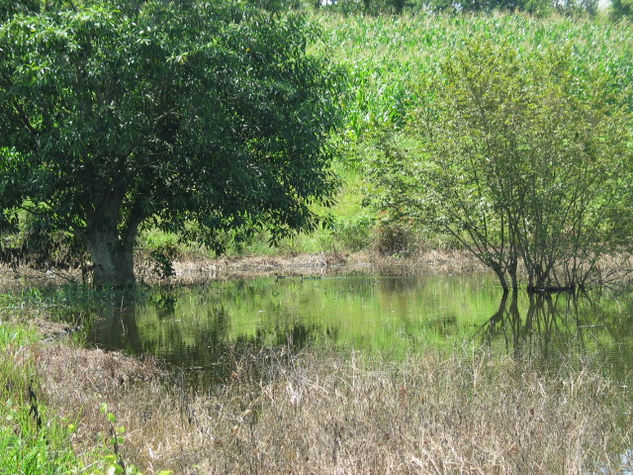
(32,440)
(35,437)
(319,412)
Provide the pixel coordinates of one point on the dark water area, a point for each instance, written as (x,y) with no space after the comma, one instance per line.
(198,328)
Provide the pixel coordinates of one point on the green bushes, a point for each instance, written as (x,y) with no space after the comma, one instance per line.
(400,101)
(393,65)
(394,76)
(621,8)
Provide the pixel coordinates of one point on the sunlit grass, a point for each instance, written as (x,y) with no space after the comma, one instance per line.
(31,439)
(36,437)
(322,412)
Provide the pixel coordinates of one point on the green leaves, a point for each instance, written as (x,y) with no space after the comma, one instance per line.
(520,155)
(204,112)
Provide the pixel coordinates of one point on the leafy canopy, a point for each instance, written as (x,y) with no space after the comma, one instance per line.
(175,112)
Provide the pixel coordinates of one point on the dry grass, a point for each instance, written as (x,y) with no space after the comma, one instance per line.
(610,270)
(328,413)
(194,270)
(428,260)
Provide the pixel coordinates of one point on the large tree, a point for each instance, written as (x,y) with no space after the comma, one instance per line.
(169,112)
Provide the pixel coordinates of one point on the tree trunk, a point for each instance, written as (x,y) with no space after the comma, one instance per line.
(112,259)
(501,275)
(512,270)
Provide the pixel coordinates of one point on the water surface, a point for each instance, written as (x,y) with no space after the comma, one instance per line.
(193,327)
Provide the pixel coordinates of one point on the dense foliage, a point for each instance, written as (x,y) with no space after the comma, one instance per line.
(399,7)
(519,152)
(521,157)
(175,113)
(397,79)
(621,8)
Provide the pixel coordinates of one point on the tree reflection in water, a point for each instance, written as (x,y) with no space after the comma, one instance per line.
(207,355)
(549,327)
(212,330)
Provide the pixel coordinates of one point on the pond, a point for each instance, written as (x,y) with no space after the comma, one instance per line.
(194,327)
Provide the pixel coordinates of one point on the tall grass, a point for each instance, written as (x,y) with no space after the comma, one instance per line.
(35,437)
(391,59)
(324,413)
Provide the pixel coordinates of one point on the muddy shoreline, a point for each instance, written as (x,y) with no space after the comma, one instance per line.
(197,270)
(200,270)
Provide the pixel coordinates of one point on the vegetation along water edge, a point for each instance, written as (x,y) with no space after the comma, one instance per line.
(152,149)
(313,411)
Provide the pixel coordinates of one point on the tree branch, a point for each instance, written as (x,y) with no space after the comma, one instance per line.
(25,119)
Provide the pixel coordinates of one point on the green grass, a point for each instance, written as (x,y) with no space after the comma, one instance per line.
(34,439)
(31,441)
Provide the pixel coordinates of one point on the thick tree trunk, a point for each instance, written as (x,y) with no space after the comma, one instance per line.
(112,259)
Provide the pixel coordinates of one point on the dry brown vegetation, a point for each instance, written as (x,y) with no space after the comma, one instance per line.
(197,269)
(329,413)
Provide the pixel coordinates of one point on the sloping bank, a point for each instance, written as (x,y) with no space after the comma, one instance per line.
(73,409)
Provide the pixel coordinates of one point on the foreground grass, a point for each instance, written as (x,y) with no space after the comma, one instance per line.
(317,413)
(34,436)
(31,440)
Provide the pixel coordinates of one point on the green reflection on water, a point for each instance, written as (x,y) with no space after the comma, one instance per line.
(194,326)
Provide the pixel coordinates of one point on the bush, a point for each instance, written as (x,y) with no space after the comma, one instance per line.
(353,233)
(394,238)
(522,153)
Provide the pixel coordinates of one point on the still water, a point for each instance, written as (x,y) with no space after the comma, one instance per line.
(194,327)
